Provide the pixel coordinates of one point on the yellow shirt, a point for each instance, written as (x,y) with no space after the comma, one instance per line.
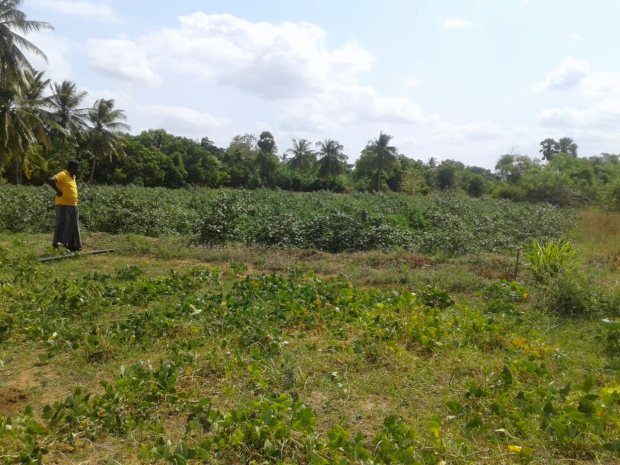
(67,185)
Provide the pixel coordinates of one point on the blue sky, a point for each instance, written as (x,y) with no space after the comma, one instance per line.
(468,80)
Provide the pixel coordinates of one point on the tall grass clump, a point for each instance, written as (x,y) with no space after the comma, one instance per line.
(567,290)
(549,259)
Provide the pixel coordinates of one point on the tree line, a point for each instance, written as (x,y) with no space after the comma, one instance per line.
(43,124)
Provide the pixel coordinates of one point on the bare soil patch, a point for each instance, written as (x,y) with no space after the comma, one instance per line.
(12,400)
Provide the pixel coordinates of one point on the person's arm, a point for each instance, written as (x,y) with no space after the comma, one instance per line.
(52,182)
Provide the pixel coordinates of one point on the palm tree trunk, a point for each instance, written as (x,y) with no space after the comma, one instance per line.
(62,152)
(92,170)
(379,172)
(18,170)
(329,175)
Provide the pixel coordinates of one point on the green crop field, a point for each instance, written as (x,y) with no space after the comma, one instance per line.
(225,330)
(439,224)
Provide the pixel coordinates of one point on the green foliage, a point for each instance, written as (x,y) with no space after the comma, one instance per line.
(611,337)
(550,259)
(331,161)
(449,225)
(545,185)
(253,313)
(377,162)
(571,294)
(250,330)
(568,415)
(512,167)
(412,181)
(506,291)
(447,174)
(437,298)
(476,185)
(611,196)
(502,296)
(566,291)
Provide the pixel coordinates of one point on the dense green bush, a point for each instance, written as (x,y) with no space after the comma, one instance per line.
(571,294)
(446,224)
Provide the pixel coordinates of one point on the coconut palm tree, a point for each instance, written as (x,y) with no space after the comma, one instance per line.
(16,80)
(103,140)
(13,23)
(331,163)
(70,120)
(23,120)
(303,158)
(384,157)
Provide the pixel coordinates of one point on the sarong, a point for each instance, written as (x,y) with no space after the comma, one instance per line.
(67,232)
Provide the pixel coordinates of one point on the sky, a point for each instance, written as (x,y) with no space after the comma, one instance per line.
(467,80)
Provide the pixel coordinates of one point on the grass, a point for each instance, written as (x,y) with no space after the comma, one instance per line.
(354,363)
(598,238)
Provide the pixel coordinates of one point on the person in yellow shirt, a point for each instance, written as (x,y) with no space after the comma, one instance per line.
(67,232)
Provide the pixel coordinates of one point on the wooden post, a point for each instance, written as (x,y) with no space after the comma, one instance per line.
(517,265)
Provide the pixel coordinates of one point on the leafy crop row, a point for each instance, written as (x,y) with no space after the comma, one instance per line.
(450,225)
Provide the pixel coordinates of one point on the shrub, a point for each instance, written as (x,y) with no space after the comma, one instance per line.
(436,298)
(505,291)
(550,259)
(502,296)
(612,195)
(571,294)
(476,185)
(611,338)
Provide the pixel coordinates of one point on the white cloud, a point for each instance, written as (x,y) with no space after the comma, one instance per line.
(605,114)
(122,59)
(272,60)
(601,89)
(480,131)
(85,9)
(573,73)
(575,37)
(57,50)
(178,119)
(562,117)
(351,106)
(284,75)
(569,73)
(454,23)
(288,64)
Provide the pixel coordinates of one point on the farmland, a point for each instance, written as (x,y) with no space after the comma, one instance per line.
(442,224)
(225,329)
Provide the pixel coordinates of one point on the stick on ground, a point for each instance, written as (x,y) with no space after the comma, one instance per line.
(75,254)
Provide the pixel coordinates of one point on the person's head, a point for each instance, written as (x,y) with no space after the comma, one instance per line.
(73,167)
